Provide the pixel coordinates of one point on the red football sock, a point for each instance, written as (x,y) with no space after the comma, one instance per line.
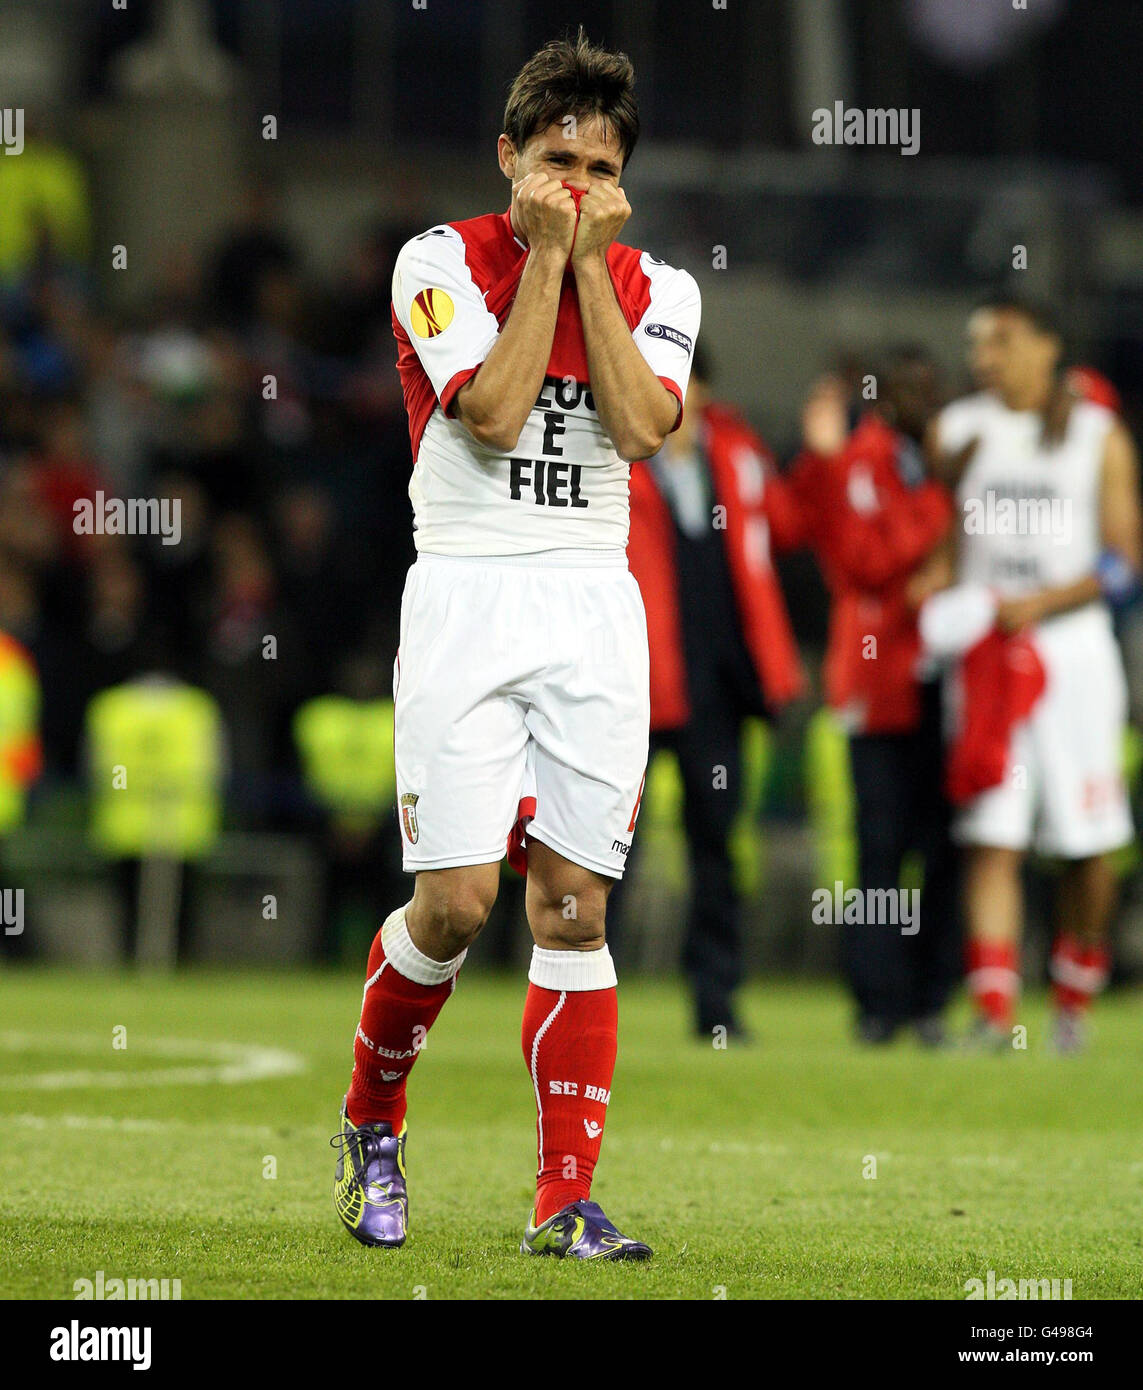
(570,1033)
(994,979)
(1079,971)
(404,992)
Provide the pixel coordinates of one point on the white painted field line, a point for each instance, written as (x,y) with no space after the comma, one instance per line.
(231,1063)
(120,1124)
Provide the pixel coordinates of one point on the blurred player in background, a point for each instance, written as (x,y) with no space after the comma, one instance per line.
(706,511)
(875,521)
(538,357)
(1027,438)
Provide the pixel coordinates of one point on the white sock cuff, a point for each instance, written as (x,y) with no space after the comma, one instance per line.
(407,960)
(572,970)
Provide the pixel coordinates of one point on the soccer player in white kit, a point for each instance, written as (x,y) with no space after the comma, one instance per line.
(1050,523)
(538,358)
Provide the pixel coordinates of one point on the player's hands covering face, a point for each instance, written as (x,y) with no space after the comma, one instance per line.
(603,209)
(545,212)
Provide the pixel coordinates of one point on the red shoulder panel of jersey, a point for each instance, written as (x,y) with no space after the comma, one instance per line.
(417,389)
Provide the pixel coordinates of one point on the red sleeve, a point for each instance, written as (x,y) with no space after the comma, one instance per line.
(785,515)
(886,546)
(448,395)
(673,388)
(810,484)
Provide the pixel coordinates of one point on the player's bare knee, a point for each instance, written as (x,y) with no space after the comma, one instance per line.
(553,933)
(995,859)
(451,924)
(448,916)
(569,921)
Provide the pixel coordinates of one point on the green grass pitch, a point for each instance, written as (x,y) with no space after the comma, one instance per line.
(749,1170)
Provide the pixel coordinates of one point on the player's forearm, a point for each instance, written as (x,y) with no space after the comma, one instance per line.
(936,572)
(1069,596)
(494,404)
(635,408)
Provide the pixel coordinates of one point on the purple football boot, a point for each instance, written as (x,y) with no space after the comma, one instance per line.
(581,1232)
(369,1191)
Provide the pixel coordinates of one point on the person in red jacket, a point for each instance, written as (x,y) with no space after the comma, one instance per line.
(873,519)
(706,511)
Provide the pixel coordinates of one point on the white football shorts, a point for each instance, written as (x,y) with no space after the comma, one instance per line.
(1064,790)
(517,677)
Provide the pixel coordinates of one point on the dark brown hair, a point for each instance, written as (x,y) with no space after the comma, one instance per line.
(573,78)
(1033,311)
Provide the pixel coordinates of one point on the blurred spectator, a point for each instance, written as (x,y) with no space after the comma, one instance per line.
(254,246)
(192,382)
(345,747)
(43,314)
(115,406)
(250,658)
(317,581)
(873,519)
(63,473)
(43,202)
(21,755)
(704,513)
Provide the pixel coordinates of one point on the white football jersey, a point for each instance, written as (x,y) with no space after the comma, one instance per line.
(1029,515)
(563,486)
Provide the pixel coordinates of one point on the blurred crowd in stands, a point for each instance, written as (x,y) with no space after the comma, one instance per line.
(269,407)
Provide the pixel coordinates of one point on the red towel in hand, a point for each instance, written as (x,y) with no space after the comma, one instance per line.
(1001,678)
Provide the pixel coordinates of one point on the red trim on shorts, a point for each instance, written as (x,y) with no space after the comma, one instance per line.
(638,800)
(517,841)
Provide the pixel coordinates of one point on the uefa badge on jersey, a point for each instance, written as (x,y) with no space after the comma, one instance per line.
(431,313)
(409,816)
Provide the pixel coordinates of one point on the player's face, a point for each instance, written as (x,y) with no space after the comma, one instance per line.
(1009,355)
(579,154)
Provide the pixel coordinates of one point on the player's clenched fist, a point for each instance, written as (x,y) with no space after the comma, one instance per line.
(544,212)
(603,209)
